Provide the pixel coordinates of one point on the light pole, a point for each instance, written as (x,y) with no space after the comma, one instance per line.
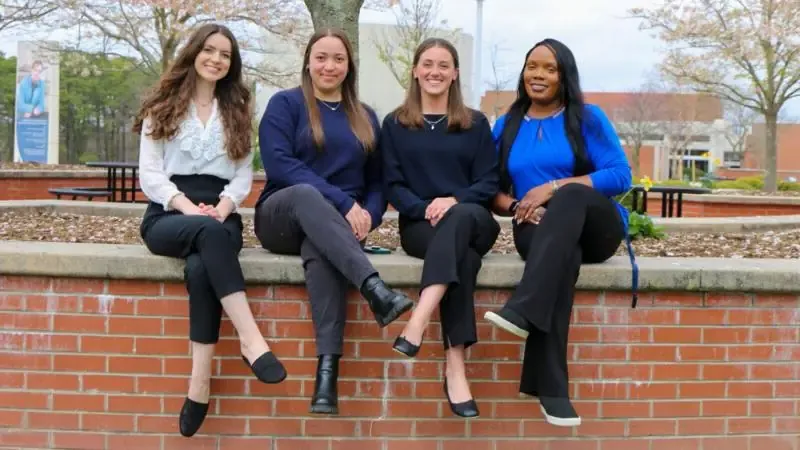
(478,83)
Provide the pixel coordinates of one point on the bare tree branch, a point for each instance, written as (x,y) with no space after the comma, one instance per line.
(500,79)
(153,30)
(15,13)
(417,20)
(639,120)
(740,122)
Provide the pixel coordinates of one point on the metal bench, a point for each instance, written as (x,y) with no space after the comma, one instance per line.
(83,192)
(668,194)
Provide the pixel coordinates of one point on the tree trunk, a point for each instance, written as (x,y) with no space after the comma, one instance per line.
(771,155)
(635,151)
(342,14)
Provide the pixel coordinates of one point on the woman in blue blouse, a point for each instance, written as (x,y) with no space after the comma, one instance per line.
(561,161)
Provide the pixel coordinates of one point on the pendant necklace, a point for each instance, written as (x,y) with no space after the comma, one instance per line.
(434,123)
(329,106)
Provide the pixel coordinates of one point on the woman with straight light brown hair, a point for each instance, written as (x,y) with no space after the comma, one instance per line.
(441,175)
(324,195)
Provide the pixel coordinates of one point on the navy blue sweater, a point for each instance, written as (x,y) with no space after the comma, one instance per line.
(342,171)
(423,164)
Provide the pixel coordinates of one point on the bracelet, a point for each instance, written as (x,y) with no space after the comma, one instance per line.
(513,208)
(554,183)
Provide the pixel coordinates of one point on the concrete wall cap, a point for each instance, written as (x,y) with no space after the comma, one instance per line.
(108,261)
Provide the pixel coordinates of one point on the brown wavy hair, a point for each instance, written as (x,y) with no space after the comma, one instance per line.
(459,116)
(356,112)
(168,102)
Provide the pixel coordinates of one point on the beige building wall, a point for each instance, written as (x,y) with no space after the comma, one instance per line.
(377,86)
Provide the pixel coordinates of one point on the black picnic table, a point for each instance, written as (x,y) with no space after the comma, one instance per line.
(120,179)
(668,200)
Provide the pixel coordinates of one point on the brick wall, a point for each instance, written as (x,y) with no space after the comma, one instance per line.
(35,188)
(739,173)
(706,208)
(94,364)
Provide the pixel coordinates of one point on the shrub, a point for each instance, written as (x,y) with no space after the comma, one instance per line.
(641,225)
(788,186)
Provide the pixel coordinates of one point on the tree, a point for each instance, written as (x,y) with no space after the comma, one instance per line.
(417,20)
(739,126)
(638,120)
(342,14)
(152,30)
(500,79)
(746,52)
(681,110)
(21,12)
(8,79)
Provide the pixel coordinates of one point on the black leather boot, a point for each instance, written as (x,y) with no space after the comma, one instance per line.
(386,304)
(326,399)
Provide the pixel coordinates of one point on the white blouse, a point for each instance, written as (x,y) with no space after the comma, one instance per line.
(196,149)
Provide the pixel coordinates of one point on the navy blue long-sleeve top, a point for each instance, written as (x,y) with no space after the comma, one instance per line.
(341,171)
(423,164)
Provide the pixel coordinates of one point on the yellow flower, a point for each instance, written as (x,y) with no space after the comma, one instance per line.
(646,182)
(705,155)
(717,161)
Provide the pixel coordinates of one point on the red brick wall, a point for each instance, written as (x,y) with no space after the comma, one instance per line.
(739,173)
(713,209)
(95,364)
(36,188)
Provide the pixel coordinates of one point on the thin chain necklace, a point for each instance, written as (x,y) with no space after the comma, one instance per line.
(434,123)
(329,106)
(204,104)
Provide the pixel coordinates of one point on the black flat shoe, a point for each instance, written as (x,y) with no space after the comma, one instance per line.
(509,321)
(401,345)
(468,409)
(325,399)
(267,368)
(192,416)
(386,304)
(559,411)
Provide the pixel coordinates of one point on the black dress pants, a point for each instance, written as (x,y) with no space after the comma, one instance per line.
(210,248)
(299,220)
(452,253)
(580,225)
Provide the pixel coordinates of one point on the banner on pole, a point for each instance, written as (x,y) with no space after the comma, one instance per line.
(36,117)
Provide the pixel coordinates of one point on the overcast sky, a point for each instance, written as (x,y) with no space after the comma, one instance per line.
(612,53)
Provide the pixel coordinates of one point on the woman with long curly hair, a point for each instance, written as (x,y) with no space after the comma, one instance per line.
(195,167)
(323,195)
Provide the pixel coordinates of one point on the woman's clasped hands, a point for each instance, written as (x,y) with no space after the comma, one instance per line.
(530,208)
(360,221)
(438,208)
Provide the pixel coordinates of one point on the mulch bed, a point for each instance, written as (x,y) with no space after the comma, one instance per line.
(59,227)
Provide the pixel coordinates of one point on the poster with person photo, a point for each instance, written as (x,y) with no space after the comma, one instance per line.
(36,118)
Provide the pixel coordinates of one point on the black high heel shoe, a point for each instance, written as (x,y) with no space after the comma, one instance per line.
(401,345)
(192,416)
(267,368)
(468,409)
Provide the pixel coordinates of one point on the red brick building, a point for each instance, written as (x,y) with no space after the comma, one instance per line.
(686,126)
